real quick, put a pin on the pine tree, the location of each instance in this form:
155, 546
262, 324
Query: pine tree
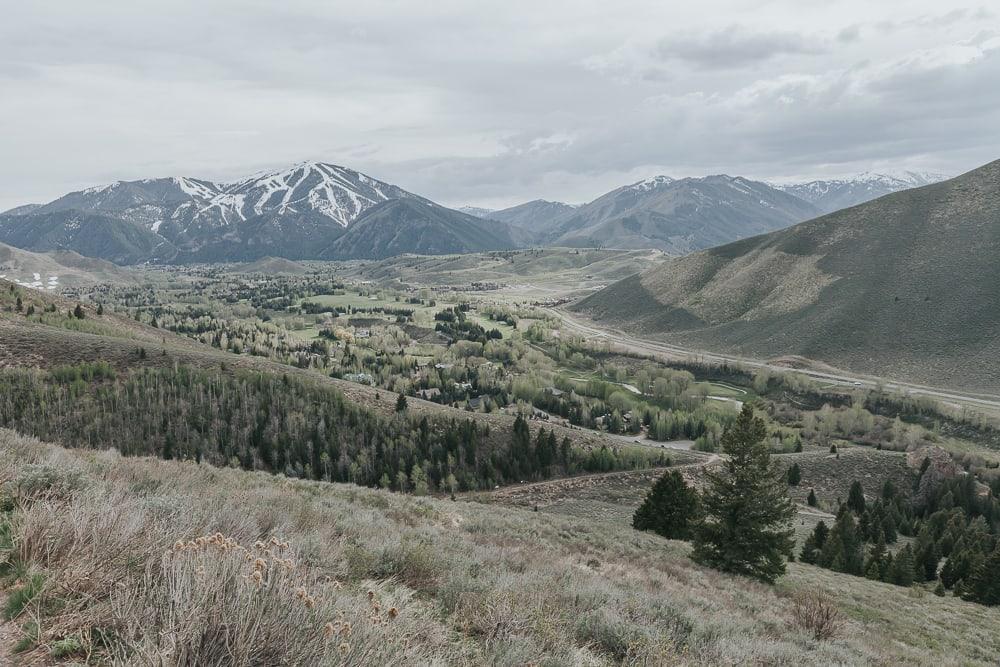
876, 567
889, 529
865, 526
842, 551
902, 567
401, 403
794, 475
983, 585
811, 499
670, 508
78, 312
926, 556
856, 498
747, 507
814, 544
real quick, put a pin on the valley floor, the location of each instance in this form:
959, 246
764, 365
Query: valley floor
198, 564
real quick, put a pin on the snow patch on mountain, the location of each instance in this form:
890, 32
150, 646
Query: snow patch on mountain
651, 183
836, 193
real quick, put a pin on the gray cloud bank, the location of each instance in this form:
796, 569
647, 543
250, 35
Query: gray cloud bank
493, 103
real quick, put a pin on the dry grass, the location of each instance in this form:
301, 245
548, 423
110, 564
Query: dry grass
144, 561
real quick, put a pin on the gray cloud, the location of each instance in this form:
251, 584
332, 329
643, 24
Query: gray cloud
492, 103
735, 46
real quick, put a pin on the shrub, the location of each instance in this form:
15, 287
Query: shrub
606, 632
36, 481
816, 613
19, 600
66, 647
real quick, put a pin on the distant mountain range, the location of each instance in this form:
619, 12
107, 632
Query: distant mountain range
315, 210
904, 286
833, 195
678, 216
310, 210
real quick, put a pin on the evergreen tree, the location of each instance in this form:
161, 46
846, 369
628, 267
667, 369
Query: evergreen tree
794, 475
747, 507
902, 567
856, 498
842, 551
877, 564
78, 312
983, 585
865, 526
814, 544
811, 499
926, 556
889, 529
670, 508
401, 403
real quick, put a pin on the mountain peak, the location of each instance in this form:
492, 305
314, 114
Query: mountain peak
836, 193
651, 183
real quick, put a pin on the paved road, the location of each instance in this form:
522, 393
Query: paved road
674, 352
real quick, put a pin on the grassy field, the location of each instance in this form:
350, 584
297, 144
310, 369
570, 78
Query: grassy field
541, 273
186, 571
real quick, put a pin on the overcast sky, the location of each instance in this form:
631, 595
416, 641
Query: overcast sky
493, 102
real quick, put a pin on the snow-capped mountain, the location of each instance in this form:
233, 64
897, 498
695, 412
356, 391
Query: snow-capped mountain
650, 183
679, 215
295, 212
337, 193
835, 194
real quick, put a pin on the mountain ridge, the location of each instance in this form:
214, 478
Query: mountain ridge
680, 215
901, 286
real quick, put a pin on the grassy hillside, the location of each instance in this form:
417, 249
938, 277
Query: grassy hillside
58, 269
201, 565
904, 286
679, 216
90, 234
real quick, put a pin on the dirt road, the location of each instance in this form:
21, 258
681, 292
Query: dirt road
665, 351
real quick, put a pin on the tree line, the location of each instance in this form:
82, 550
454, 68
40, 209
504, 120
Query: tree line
281, 424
